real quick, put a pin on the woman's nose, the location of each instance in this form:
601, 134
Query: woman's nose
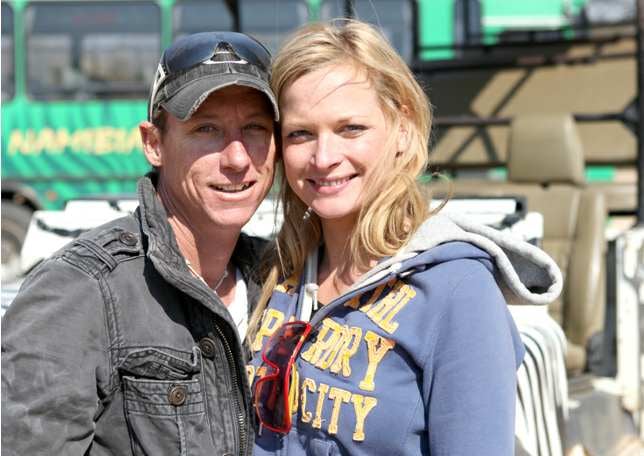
326, 154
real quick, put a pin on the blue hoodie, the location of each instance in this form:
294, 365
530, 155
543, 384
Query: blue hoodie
419, 356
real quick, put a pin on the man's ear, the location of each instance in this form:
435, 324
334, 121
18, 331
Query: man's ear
151, 139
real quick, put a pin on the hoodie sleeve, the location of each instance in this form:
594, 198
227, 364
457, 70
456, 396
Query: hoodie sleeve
470, 374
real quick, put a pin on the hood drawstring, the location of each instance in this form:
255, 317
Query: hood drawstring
308, 300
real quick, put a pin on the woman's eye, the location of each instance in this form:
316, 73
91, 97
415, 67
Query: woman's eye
255, 128
354, 128
298, 135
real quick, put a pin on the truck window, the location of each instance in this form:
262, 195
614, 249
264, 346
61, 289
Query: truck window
78, 50
8, 84
193, 16
393, 17
272, 21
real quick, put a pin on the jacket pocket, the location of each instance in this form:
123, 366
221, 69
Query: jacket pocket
153, 363
164, 404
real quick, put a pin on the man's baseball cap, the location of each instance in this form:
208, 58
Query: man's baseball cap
196, 65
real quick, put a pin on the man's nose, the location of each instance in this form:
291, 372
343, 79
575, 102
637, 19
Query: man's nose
235, 156
326, 154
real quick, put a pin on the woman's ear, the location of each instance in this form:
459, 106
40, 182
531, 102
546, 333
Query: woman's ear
403, 130
151, 140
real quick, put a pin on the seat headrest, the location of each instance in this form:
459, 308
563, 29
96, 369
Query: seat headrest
545, 148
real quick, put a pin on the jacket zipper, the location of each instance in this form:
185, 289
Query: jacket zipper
241, 418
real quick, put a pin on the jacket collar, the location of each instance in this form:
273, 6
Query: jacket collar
162, 245
161, 241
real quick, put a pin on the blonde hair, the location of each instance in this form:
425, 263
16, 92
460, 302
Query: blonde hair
387, 219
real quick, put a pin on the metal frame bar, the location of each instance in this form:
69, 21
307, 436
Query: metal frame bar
640, 130
470, 121
488, 47
510, 61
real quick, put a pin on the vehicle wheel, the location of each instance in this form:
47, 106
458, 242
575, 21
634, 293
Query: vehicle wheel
15, 221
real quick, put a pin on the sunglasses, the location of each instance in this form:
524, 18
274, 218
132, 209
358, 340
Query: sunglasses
272, 390
193, 50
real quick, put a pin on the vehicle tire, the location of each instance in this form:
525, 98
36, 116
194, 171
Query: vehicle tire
15, 221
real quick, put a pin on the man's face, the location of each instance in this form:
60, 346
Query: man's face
216, 167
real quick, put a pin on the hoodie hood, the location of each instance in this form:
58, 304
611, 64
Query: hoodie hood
525, 274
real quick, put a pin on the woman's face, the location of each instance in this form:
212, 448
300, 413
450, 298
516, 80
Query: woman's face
334, 135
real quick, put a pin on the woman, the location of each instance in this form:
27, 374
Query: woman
410, 348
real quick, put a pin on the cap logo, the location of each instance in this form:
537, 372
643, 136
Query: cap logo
222, 53
211, 62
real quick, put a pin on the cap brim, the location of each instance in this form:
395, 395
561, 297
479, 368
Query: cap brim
187, 100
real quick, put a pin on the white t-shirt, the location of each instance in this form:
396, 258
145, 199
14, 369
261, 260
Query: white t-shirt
238, 309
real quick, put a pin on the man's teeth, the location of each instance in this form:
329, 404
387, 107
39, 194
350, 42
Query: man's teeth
232, 188
333, 183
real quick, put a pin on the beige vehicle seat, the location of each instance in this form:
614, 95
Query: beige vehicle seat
546, 166
546, 157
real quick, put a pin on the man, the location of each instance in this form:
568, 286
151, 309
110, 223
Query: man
121, 343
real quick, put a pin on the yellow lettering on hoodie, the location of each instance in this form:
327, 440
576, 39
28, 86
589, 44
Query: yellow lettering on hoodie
348, 347
253, 372
377, 348
329, 356
384, 311
362, 406
355, 301
287, 286
271, 321
327, 338
294, 390
322, 390
308, 384
338, 396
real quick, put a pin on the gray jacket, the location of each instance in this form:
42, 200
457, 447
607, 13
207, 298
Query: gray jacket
112, 346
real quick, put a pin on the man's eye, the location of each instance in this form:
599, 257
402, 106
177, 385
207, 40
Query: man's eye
255, 128
206, 128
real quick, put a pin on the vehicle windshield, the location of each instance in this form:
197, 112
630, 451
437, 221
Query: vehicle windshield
8, 84
98, 50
